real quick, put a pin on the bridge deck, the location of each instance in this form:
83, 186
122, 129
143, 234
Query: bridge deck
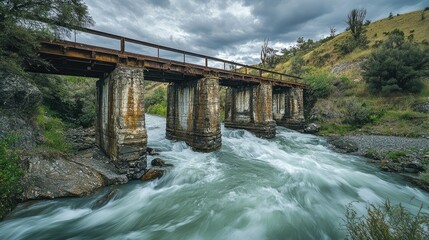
73, 58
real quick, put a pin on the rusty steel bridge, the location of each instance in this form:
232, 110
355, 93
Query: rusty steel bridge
74, 58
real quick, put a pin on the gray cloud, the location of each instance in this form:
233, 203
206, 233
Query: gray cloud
233, 29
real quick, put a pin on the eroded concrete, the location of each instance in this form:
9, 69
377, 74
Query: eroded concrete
193, 113
288, 107
120, 128
250, 107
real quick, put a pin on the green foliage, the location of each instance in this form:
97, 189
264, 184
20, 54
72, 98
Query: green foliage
21, 28
156, 102
333, 128
386, 222
395, 155
397, 66
351, 43
356, 112
301, 48
73, 98
10, 174
297, 65
53, 130
320, 81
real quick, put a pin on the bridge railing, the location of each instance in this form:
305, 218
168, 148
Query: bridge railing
207, 61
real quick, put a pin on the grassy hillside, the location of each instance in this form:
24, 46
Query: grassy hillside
390, 115
328, 54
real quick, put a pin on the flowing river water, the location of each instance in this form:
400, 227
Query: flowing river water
289, 187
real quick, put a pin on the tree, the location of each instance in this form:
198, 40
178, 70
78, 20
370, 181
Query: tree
397, 66
355, 21
268, 54
24, 22
333, 30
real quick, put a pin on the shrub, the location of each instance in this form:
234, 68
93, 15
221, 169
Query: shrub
52, 129
395, 155
320, 81
386, 222
72, 97
297, 63
156, 102
10, 175
356, 112
397, 66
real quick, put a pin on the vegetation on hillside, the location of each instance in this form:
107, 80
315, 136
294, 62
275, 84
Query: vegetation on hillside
10, 174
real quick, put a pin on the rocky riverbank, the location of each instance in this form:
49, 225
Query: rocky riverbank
407, 156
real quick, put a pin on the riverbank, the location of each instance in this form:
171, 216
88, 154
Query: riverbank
406, 156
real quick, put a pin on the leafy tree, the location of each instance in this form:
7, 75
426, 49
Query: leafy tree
397, 66
24, 22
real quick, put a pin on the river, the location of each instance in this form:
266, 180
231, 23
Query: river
289, 187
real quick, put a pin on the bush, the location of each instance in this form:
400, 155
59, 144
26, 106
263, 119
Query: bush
156, 102
52, 129
356, 112
10, 175
320, 81
72, 97
386, 222
350, 44
397, 66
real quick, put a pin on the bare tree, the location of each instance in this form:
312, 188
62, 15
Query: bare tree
268, 54
355, 20
333, 30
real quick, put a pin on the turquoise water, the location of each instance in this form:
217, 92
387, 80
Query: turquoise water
289, 187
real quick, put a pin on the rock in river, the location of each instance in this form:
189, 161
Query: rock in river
153, 174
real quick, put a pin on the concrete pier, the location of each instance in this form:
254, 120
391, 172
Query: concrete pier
288, 107
120, 125
193, 113
250, 107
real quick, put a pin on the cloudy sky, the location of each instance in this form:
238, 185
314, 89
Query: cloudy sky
233, 29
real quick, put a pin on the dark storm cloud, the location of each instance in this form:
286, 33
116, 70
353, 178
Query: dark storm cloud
233, 29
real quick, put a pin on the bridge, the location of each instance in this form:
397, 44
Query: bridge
256, 99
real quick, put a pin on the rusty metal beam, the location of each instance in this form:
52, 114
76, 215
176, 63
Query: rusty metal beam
76, 54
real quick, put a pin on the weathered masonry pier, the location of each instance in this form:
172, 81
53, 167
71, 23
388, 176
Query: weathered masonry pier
193, 113
256, 99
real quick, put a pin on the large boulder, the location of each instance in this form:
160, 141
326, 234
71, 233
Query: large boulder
18, 99
18, 93
343, 144
312, 128
58, 177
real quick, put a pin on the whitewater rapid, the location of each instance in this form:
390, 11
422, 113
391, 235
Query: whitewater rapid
289, 187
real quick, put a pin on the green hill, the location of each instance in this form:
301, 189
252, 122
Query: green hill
396, 114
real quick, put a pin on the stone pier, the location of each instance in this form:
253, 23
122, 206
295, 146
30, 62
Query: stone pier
250, 107
193, 113
120, 125
288, 107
